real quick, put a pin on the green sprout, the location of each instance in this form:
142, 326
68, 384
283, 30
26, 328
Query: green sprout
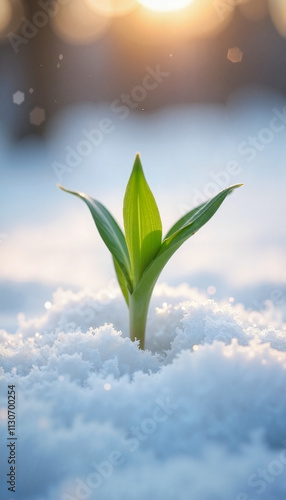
140, 256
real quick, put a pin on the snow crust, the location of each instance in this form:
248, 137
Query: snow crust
199, 415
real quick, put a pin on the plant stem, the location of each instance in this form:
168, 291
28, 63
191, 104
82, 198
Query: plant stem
138, 309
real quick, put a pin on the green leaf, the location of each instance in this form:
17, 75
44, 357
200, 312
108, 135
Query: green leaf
142, 222
110, 232
198, 218
122, 281
175, 240
183, 221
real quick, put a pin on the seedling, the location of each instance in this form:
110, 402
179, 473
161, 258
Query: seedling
141, 254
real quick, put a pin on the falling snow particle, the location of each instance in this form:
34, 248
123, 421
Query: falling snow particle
61, 57
211, 290
48, 305
107, 387
234, 55
18, 97
31, 90
37, 116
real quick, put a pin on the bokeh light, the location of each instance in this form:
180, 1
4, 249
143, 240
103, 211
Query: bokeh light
277, 10
198, 19
5, 15
11, 16
37, 116
76, 23
111, 8
165, 5
234, 55
18, 97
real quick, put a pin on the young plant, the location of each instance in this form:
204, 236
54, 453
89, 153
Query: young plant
141, 254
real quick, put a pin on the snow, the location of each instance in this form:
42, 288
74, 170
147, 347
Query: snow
199, 415
100, 419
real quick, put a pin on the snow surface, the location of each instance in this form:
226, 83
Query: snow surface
199, 415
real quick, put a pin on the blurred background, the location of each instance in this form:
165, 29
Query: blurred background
197, 87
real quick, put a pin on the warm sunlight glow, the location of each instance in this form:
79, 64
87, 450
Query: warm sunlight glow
165, 5
5, 14
175, 20
76, 23
277, 10
111, 8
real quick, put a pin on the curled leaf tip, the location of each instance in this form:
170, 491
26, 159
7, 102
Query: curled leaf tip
63, 188
232, 188
235, 186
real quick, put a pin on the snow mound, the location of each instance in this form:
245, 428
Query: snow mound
199, 415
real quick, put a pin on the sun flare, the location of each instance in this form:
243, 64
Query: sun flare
165, 5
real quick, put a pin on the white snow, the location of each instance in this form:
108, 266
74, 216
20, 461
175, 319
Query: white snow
99, 419
200, 415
